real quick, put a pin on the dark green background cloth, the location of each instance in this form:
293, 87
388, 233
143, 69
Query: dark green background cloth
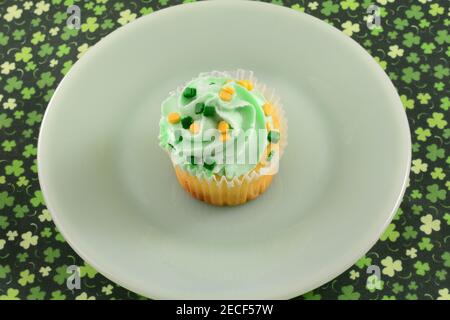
37, 50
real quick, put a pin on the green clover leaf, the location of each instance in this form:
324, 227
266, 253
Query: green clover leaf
434, 152
90, 25
26, 278
391, 266
5, 200
24, 55
410, 75
425, 244
435, 193
38, 199
15, 168
28, 240
421, 268
11, 294
409, 233
348, 293
36, 294
328, 7
390, 233
51, 254
4, 271
429, 224
414, 12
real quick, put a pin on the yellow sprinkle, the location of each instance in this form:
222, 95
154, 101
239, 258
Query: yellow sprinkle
223, 127
226, 93
230, 90
224, 137
225, 96
246, 84
194, 127
267, 107
276, 123
173, 117
268, 126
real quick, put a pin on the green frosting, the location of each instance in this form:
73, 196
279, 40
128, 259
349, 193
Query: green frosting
204, 154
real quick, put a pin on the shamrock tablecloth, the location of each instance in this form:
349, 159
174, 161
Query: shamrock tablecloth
412, 45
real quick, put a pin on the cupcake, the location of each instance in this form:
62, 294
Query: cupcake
225, 133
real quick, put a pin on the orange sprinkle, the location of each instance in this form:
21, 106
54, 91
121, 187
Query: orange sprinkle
247, 84
276, 122
194, 127
230, 90
268, 108
268, 126
224, 137
173, 117
223, 127
226, 93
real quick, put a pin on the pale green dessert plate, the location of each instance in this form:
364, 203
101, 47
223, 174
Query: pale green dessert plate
113, 193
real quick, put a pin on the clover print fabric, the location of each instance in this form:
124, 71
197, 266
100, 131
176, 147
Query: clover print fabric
413, 47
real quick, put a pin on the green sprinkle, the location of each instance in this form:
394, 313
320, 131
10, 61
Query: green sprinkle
273, 136
270, 155
178, 136
209, 166
209, 111
192, 160
186, 122
189, 93
199, 107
